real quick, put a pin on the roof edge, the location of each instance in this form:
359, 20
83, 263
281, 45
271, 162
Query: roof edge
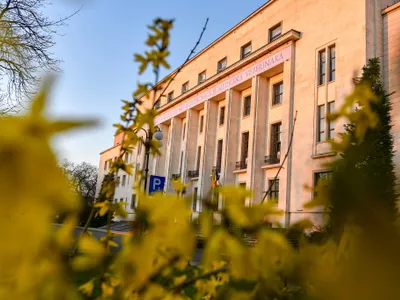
269, 2
391, 8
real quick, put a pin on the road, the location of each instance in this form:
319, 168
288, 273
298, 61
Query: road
99, 233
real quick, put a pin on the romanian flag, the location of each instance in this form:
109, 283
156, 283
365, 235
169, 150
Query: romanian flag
215, 178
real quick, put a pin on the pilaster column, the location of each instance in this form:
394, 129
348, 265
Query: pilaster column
211, 114
260, 134
232, 135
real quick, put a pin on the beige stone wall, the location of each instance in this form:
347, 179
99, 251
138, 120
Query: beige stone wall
356, 29
391, 69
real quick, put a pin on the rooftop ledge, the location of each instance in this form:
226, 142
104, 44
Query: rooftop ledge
291, 35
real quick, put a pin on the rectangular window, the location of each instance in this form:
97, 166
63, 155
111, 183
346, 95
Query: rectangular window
276, 137
246, 106
332, 63
121, 199
133, 202
198, 158
126, 157
123, 182
245, 147
325, 177
184, 131
194, 201
321, 67
105, 165
170, 96
242, 185
137, 166
275, 32
245, 50
321, 123
219, 154
202, 77
118, 181
278, 93
157, 104
273, 186
185, 87
222, 115
139, 149
221, 65
181, 164
331, 124
201, 124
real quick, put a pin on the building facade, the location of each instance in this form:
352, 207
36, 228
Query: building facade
233, 106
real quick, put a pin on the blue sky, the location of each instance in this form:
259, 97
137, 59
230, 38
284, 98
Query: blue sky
97, 49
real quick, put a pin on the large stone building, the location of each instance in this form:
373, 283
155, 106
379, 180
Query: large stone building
232, 106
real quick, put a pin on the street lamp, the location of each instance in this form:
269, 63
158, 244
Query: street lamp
158, 135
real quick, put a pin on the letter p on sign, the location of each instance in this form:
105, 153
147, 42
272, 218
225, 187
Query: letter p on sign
157, 183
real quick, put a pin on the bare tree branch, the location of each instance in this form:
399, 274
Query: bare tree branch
26, 37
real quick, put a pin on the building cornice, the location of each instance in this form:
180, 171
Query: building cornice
115, 146
291, 35
391, 8
245, 20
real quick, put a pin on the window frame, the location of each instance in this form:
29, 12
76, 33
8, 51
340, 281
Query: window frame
133, 201
157, 104
243, 54
170, 96
242, 152
321, 118
184, 132
222, 116
123, 181
245, 113
315, 181
184, 89
220, 149
330, 124
274, 88
272, 37
273, 190
201, 124
225, 59
275, 145
332, 63
322, 67
199, 81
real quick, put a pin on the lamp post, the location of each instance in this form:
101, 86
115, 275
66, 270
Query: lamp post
158, 135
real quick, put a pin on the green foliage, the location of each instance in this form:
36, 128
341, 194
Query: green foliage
363, 187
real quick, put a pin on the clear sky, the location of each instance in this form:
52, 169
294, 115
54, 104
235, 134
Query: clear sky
97, 52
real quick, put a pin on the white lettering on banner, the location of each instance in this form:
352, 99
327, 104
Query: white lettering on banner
258, 68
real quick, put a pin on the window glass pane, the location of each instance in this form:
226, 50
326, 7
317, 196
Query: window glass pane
275, 32
247, 106
331, 124
170, 96
321, 123
322, 67
221, 65
278, 93
332, 63
222, 115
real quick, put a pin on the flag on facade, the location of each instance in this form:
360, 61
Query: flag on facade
215, 178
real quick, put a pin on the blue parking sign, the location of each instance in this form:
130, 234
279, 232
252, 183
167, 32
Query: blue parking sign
157, 183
